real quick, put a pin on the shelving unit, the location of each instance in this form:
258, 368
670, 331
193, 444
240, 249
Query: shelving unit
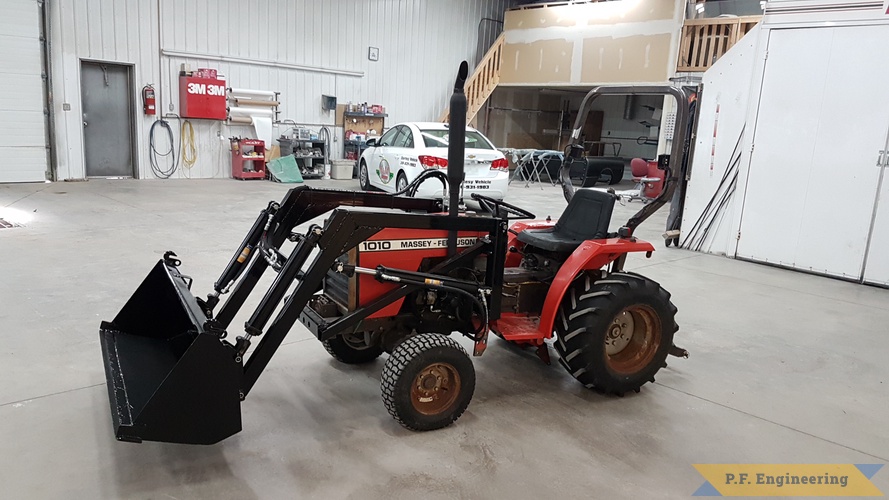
248, 160
311, 166
359, 123
352, 149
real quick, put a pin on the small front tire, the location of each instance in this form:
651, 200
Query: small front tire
427, 382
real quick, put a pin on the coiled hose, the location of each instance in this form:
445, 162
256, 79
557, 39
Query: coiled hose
167, 171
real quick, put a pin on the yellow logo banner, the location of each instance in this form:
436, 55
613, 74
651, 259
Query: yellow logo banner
814, 480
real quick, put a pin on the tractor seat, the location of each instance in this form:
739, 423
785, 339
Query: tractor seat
585, 218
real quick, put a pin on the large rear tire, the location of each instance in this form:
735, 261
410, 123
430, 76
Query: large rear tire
351, 350
614, 334
427, 382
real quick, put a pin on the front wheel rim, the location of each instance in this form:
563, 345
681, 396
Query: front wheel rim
362, 174
435, 389
356, 342
632, 339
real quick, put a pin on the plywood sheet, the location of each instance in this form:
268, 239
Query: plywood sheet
544, 61
630, 59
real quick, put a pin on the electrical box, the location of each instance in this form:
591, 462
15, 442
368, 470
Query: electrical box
202, 98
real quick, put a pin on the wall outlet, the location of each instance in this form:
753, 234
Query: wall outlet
66, 106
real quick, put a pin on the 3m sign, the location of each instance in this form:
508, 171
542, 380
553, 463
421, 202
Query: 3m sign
202, 98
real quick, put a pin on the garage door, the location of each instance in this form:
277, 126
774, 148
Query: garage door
823, 118
23, 155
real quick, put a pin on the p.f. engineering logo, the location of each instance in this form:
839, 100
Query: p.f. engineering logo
788, 480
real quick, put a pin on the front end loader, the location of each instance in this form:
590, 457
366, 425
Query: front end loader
396, 274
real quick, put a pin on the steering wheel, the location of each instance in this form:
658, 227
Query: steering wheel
496, 206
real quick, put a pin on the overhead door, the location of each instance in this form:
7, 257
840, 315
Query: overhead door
23, 155
823, 116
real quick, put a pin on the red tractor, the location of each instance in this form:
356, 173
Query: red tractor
397, 278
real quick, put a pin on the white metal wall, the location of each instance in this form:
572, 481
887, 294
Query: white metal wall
22, 122
719, 148
421, 43
816, 118
812, 176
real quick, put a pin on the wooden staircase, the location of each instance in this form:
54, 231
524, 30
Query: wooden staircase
704, 41
482, 83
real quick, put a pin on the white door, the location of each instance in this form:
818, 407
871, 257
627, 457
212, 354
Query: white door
823, 115
876, 267
380, 169
395, 153
22, 123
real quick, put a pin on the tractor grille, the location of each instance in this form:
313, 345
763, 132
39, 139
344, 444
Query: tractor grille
336, 287
340, 288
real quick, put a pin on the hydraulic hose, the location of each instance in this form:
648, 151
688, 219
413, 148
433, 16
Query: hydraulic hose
412, 188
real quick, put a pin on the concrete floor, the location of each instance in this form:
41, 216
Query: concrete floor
784, 368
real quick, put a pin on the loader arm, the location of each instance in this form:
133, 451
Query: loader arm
300, 205
343, 231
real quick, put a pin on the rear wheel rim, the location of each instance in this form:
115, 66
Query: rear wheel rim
632, 339
435, 389
401, 183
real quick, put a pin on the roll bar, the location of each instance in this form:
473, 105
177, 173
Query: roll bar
575, 149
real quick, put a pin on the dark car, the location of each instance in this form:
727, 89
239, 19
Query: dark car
589, 170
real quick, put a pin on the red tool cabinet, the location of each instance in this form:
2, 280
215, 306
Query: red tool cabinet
248, 159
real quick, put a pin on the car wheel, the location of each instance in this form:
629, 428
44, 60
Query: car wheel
613, 178
363, 178
400, 182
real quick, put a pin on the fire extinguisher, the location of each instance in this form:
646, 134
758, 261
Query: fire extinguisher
148, 100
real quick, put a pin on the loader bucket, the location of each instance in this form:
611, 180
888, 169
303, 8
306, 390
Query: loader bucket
168, 379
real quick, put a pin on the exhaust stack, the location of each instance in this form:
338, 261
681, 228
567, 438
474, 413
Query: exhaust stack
456, 149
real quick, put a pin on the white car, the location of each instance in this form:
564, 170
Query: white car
394, 160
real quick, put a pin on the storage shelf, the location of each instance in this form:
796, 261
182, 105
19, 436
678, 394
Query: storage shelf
364, 115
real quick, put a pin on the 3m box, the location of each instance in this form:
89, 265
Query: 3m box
202, 98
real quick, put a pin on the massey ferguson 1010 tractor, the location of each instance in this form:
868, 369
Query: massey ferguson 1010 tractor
397, 274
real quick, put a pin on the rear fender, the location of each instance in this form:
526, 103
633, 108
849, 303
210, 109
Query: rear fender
591, 254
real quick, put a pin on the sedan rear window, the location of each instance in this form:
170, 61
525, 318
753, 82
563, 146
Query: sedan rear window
439, 139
